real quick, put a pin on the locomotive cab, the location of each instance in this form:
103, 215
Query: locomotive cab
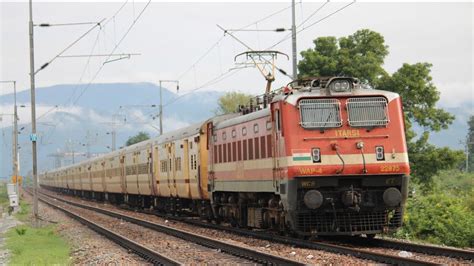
345, 155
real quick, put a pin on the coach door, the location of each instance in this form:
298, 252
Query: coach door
123, 184
172, 169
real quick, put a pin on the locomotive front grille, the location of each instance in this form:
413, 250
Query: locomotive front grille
348, 222
367, 112
320, 113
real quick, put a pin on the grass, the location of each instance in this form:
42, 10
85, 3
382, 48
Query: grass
33, 246
36, 246
24, 213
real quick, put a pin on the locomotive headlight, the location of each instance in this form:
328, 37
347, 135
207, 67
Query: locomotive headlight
313, 199
392, 197
316, 154
379, 153
340, 86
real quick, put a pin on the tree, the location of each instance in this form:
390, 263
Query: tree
470, 143
229, 102
362, 55
141, 136
359, 55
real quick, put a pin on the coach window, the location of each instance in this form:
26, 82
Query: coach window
269, 145
224, 136
245, 149
215, 154
255, 128
239, 150
244, 131
214, 137
234, 151
263, 147
250, 149
257, 148
234, 133
220, 153
225, 152
269, 125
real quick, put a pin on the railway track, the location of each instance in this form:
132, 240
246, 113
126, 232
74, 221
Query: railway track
237, 251
142, 251
425, 249
333, 248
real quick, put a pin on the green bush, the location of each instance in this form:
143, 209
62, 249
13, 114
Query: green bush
440, 219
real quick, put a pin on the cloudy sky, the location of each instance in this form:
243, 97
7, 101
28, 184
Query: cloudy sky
171, 37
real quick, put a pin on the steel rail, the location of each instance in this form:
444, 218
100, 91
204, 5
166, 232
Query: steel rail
420, 248
140, 250
333, 248
246, 253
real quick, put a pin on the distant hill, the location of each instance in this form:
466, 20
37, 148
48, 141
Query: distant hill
72, 127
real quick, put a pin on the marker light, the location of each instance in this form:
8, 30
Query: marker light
379, 153
316, 152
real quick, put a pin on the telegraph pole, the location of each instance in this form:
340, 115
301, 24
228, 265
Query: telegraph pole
161, 101
33, 137
293, 40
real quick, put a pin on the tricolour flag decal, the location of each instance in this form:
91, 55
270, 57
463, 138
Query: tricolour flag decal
301, 155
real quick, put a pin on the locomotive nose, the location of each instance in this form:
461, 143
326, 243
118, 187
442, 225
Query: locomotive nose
392, 197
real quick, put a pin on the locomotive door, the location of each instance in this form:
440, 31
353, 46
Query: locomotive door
276, 145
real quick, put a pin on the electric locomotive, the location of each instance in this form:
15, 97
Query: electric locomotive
322, 156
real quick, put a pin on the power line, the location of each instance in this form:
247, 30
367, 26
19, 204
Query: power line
68, 47
216, 44
113, 50
314, 23
70, 99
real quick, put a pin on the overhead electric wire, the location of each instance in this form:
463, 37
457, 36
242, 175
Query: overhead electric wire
216, 44
113, 50
312, 24
69, 46
70, 99
266, 17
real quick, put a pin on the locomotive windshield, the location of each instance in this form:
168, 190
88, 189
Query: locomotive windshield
367, 112
320, 113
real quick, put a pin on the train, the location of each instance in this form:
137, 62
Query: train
320, 156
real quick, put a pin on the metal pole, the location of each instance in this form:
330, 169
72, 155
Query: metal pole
113, 139
161, 110
15, 139
33, 116
293, 40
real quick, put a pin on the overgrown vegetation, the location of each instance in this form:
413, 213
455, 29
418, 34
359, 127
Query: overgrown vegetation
36, 246
24, 213
441, 208
445, 213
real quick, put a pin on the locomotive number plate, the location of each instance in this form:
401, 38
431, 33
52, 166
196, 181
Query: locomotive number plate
389, 168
